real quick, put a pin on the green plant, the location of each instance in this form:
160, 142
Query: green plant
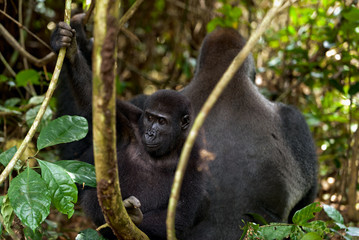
302, 228
30, 194
230, 17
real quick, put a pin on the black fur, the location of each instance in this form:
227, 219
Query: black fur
145, 172
265, 161
265, 157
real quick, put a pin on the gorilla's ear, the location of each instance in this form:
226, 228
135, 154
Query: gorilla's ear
185, 122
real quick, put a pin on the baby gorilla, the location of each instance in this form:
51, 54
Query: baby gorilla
149, 146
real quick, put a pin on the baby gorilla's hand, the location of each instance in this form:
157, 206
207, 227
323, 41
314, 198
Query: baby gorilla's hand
132, 205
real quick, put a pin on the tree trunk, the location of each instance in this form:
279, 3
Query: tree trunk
104, 120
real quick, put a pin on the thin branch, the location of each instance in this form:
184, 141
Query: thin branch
223, 82
89, 12
20, 25
22, 37
44, 104
12, 41
7, 65
129, 13
104, 121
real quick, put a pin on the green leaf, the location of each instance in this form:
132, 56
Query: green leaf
62, 130
30, 198
3, 109
27, 76
317, 226
33, 235
302, 216
31, 115
352, 15
12, 102
6, 156
275, 231
36, 100
353, 231
333, 214
7, 212
62, 189
80, 172
89, 234
3, 78
311, 236
258, 218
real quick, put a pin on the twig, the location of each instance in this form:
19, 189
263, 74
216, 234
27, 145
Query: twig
12, 41
223, 82
44, 104
26, 29
89, 12
129, 13
22, 37
7, 65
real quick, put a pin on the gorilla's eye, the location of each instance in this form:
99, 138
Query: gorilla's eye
149, 117
162, 121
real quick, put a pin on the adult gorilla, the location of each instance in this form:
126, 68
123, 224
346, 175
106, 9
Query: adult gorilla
265, 161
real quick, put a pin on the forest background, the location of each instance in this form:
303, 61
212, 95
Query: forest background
309, 58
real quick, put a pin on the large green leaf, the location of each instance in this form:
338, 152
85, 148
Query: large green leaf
62, 130
30, 198
302, 216
62, 189
81, 172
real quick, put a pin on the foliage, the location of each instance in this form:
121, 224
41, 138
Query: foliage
89, 234
309, 58
30, 195
302, 227
230, 17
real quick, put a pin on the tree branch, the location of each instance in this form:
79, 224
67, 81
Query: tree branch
129, 13
44, 104
278, 6
106, 29
12, 41
20, 25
